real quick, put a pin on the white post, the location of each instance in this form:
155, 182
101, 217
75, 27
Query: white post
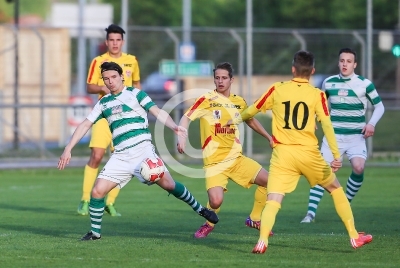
81, 79
187, 20
249, 58
369, 66
124, 23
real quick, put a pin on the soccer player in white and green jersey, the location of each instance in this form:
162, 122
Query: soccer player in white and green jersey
348, 95
125, 109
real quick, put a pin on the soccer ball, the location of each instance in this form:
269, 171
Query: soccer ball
152, 169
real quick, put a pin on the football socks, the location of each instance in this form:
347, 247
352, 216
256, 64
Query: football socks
112, 195
182, 193
268, 219
89, 176
343, 209
260, 197
96, 211
215, 210
314, 198
353, 185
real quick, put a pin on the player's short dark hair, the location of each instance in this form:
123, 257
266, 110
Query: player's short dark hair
113, 28
349, 50
303, 62
111, 66
224, 66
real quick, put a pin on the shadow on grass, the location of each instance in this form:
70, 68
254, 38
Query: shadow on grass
20, 208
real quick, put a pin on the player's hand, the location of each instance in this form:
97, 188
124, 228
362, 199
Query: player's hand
181, 146
368, 131
229, 123
181, 132
64, 160
272, 144
336, 164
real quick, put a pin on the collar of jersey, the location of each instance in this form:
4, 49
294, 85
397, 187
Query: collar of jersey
116, 95
108, 55
219, 94
346, 78
300, 80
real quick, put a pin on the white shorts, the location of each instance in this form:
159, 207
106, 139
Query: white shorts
122, 166
352, 145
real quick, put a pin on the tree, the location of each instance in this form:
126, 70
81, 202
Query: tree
334, 14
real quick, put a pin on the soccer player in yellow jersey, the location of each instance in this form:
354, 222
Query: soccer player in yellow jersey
222, 150
294, 105
101, 135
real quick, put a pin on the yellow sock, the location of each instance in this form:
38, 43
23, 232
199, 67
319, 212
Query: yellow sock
343, 209
215, 210
112, 195
260, 197
89, 176
268, 219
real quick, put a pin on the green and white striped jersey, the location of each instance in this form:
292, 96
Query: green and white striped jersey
348, 99
126, 114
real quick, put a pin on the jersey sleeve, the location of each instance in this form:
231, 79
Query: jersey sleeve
372, 94
94, 74
322, 112
266, 101
136, 70
144, 100
198, 109
96, 113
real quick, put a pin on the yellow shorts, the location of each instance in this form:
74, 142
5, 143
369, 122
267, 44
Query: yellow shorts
242, 170
101, 135
289, 162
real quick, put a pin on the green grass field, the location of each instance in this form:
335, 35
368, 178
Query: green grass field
39, 226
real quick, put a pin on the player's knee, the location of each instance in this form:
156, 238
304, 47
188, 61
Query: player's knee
215, 201
98, 193
358, 168
333, 186
262, 178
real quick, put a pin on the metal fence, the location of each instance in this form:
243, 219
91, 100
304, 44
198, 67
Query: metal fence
44, 125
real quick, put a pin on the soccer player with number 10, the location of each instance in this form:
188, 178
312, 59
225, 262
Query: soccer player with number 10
294, 105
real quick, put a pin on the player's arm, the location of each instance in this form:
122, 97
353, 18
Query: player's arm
184, 122
96, 89
164, 118
197, 110
136, 84
322, 112
79, 132
263, 104
136, 75
257, 127
247, 114
379, 109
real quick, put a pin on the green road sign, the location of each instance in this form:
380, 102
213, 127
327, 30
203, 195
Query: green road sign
193, 68
396, 51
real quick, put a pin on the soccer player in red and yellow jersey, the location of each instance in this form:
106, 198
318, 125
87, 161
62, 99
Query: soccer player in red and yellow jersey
222, 150
101, 135
294, 105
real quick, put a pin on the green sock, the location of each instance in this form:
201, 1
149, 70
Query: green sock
96, 211
353, 185
182, 193
316, 193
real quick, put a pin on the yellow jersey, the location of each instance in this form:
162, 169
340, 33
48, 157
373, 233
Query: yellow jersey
128, 63
295, 104
219, 143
